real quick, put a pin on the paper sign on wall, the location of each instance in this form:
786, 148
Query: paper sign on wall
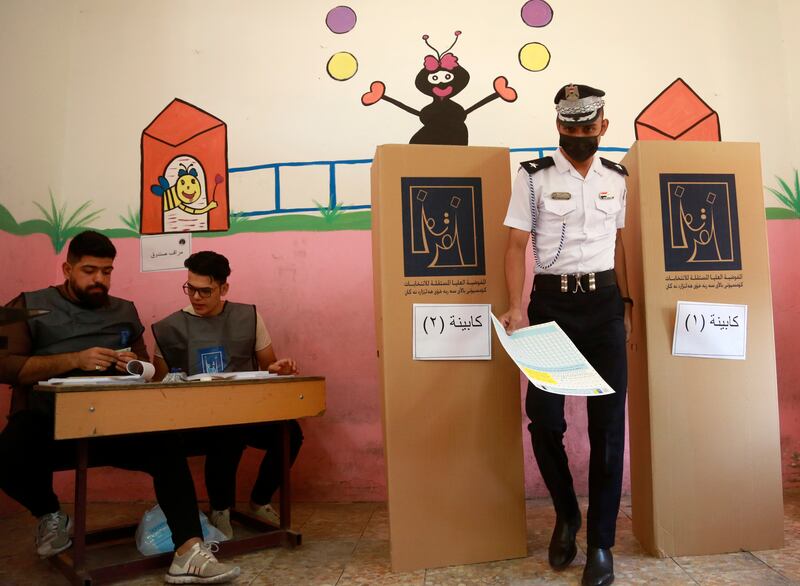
452, 332
165, 252
710, 330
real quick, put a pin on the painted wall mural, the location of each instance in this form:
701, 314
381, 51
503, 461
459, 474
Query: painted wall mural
168, 205
789, 196
677, 113
441, 78
342, 65
184, 171
535, 56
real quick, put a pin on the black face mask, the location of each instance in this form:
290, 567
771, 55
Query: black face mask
579, 148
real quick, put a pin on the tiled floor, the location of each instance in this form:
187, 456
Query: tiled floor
347, 544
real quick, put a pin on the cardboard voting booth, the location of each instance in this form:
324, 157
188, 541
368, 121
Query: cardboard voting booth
705, 445
452, 416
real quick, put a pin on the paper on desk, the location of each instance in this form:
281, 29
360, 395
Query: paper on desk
546, 355
245, 375
139, 371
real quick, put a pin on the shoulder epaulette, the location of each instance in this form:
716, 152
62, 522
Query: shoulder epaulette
535, 165
619, 168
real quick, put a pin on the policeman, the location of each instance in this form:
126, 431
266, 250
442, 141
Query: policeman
572, 205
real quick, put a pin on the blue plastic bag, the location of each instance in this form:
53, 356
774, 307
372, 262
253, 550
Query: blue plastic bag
153, 535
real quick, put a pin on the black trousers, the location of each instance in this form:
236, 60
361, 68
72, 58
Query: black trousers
29, 455
224, 447
594, 322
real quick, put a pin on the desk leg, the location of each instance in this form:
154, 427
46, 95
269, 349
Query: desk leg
72, 562
286, 457
79, 521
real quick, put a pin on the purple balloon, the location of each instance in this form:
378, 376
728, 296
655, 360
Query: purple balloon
341, 19
537, 13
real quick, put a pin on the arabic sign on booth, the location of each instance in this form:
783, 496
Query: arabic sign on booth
710, 330
452, 332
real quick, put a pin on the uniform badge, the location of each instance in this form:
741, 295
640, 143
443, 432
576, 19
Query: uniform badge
561, 195
606, 195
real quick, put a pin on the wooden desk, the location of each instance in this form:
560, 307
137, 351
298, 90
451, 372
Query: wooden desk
85, 412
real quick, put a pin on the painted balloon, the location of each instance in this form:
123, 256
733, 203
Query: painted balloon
342, 66
341, 19
534, 57
536, 13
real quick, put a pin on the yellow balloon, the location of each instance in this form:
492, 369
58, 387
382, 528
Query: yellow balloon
342, 66
534, 57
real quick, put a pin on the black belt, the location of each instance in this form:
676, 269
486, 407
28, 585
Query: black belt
575, 283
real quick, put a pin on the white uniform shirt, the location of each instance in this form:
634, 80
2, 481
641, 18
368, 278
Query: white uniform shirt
592, 214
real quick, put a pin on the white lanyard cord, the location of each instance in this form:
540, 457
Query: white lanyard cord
534, 209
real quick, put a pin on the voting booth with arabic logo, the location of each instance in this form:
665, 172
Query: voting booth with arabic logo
703, 403
450, 394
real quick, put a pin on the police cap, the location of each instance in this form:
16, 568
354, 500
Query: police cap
578, 105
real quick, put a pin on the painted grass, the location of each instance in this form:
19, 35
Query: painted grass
781, 214
788, 195
357, 220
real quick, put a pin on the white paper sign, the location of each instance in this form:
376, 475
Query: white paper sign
165, 252
710, 330
452, 332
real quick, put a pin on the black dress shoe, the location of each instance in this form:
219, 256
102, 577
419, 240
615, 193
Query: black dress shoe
562, 548
599, 570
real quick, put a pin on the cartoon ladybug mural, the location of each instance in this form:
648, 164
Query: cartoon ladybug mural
441, 78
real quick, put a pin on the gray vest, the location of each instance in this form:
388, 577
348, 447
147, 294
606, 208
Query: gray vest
70, 327
222, 343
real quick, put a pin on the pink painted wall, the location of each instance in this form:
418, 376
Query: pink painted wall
315, 292
784, 246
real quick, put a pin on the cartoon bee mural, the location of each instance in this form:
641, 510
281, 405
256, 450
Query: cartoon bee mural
182, 192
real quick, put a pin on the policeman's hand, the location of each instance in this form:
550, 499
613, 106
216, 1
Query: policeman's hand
123, 358
96, 358
283, 366
628, 321
512, 320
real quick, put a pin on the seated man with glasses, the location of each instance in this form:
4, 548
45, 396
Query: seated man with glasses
214, 335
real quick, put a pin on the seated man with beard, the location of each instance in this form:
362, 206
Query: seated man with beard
88, 331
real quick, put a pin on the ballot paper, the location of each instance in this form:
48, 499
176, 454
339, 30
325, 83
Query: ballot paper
546, 355
139, 371
244, 375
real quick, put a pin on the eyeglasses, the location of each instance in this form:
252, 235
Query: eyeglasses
203, 292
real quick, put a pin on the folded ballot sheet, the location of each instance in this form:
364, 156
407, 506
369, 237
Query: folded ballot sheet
546, 355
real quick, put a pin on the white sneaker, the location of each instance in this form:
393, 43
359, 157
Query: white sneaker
222, 521
52, 535
199, 566
265, 513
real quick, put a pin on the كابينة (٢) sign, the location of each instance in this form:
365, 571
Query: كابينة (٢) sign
451, 332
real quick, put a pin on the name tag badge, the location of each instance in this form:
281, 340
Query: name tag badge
606, 195
561, 195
